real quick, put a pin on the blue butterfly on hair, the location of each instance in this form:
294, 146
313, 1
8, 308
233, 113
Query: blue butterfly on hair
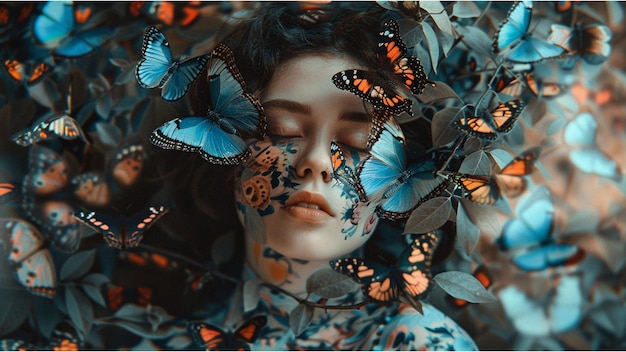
157, 68
529, 235
516, 43
62, 26
385, 176
217, 137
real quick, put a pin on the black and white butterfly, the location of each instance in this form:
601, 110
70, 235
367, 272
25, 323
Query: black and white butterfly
59, 125
217, 137
122, 231
158, 69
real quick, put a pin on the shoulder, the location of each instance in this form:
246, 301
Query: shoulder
407, 329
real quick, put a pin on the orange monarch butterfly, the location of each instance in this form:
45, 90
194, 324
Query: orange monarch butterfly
409, 277
118, 296
213, 338
487, 125
543, 89
17, 71
486, 189
378, 87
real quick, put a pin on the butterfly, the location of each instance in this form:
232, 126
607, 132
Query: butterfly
122, 232
212, 338
379, 88
340, 170
33, 263
217, 137
590, 42
507, 82
59, 125
541, 88
17, 70
486, 124
580, 134
384, 175
521, 45
56, 27
149, 260
44, 197
157, 68
117, 296
529, 235
554, 313
64, 338
8, 190
409, 277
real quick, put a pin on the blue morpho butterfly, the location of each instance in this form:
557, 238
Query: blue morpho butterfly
409, 276
384, 175
26, 250
158, 69
217, 137
591, 43
530, 234
517, 43
580, 133
56, 28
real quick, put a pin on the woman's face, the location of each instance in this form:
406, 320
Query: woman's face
286, 192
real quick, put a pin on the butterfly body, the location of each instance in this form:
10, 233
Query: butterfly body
212, 338
158, 69
217, 136
409, 276
122, 232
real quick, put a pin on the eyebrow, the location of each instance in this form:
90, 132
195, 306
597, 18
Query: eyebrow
299, 108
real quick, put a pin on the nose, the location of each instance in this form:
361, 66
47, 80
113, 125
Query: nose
314, 160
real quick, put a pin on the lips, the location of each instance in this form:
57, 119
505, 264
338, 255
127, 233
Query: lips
309, 206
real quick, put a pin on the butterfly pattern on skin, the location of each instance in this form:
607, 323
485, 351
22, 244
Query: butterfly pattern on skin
487, 125
59, 125
484, 189
26, 251
378, 87
44, 198
212, 338
217, 137
517, 44
17, 71
529, 235
157, 68
409, 277
56, 27
122, 232
384, 176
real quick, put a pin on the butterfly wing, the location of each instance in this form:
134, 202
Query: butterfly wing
138, 223
207, 336
48, 172
8, 191
505, 114
594, 161
548, 255
581, 131
179, 81
82, 43
514, 27
477, 188
476, 126
341, 171
414, 265
594, 43
156, 59
249, 331
378, 281
128, 162
37, 274
510, 177
108, 226
55, 22
534, 222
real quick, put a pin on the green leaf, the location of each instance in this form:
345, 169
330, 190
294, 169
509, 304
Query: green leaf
476, 163
77, 265
465, 9
93, 287
442, 130
467, 233
299, 318
464, 286
79, 309
329, 284
438, 14
439, 92
429, 216
433, 45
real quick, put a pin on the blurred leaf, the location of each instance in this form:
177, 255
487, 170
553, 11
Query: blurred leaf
103, 106
433, 45
299, 318
472, 145
223, 248
180, 342
14, 306
45, 93
79, 309
442, 130
92, 285
132, 312
464, 286
164, 331
556, 125
77, 265
465, 9
439, 92
429, 216
477, 40
118, 62
438, 14
251, 297
476, 163
484, 217
328, 283
109, 134
467, 233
